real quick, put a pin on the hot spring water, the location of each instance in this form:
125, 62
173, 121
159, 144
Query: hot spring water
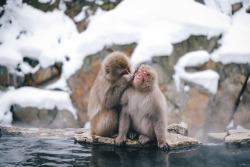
30, 151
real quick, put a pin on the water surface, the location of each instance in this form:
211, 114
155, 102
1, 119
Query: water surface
30, 151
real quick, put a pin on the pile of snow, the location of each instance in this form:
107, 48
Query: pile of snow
33, 97
235, 43
208, 79
224, 6
156, 26
49, 37
28, 32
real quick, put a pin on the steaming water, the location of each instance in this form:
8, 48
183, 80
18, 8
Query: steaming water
20, 151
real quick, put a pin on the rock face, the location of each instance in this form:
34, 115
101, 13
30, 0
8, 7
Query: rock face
42, 118
9, 79
83, 135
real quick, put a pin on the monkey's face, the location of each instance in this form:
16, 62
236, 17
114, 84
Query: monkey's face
145, 78
116, 68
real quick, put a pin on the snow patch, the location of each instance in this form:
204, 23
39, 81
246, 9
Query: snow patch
230, 125
33, 97
208, 79
235, 42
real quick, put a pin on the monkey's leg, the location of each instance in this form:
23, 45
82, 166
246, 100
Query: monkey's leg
160, 132
123, 127
105, 123
143, 139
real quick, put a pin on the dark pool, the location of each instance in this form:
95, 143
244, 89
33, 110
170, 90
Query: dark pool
24, 151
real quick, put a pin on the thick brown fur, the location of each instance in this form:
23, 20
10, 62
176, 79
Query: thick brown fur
104, 102
144, 110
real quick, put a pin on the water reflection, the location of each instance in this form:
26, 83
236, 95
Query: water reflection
20, 151
109, 156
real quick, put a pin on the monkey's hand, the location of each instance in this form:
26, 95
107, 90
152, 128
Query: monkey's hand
129, 78
120, 140
114, 93
163, 145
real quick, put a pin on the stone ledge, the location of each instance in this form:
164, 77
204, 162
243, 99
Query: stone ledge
175, 140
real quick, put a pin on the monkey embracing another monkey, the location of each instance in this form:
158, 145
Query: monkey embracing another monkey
144, 109
104, 102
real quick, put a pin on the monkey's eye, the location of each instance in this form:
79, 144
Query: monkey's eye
107, 71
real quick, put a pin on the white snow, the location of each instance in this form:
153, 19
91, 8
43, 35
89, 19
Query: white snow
87, 125
208, 79
230, 125
33, 97
224, 6
43, 37
239, 127
156, 26
235, 43
81, 16
44, 1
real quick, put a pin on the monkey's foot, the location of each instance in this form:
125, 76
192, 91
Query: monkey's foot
132, 135
143, 139
163, 145
114, 135
120, 140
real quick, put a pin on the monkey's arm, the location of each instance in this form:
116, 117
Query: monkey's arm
160, 124
114, 93
124, 125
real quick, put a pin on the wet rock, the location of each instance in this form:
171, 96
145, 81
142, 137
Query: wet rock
178, 129
30, 116
81, 82
232, 137
40, 132
174, 140
240, 137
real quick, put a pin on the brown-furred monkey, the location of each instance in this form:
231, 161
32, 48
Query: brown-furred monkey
104, 102
144, 109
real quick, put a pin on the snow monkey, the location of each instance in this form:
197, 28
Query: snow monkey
104, 106
144, 109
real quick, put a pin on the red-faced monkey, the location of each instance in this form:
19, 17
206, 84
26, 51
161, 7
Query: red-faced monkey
144, 109
104, 102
